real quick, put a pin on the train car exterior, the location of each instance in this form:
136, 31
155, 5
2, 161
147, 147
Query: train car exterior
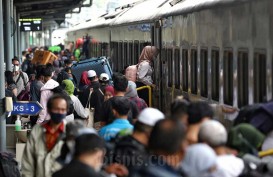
214, 50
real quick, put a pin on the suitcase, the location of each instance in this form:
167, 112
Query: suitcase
100, 65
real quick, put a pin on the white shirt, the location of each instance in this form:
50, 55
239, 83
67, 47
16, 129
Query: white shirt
231, 165
78, 108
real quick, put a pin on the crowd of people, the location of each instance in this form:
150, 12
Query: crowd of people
125, 136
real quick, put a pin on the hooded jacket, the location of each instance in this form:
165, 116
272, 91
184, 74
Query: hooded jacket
46, 93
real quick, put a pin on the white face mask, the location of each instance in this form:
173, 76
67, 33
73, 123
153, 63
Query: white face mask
15, 68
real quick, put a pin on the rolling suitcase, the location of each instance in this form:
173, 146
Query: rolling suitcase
100, 65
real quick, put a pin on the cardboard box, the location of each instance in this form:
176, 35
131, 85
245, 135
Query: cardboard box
43, 57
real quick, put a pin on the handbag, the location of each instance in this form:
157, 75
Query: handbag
91, 111
24, 95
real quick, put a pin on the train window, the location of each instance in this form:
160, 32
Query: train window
215, 73
131, 56
242, 77
204, 72
185, 71
99, 51
104, 49
177, 68
194, 71
120, 56
136, 52
259, 77
228, 77
170, 67
125, 58
114, 58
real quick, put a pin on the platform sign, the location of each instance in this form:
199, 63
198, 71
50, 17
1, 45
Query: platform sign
31, 24
31, 108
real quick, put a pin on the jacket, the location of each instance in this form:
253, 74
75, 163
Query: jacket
77, 169
144, 73
130, 152
37, 161
79, 109
96, 99
35, 90
46, 93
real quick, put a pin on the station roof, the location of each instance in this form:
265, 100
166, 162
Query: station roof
48, 9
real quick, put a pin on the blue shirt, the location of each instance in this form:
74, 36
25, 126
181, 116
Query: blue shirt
110, 131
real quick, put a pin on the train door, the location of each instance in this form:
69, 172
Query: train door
156, 36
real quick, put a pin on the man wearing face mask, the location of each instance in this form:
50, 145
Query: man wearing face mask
20, 78
45, 141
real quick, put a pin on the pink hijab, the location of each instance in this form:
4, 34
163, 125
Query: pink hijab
148, 54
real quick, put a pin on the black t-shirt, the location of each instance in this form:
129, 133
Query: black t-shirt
106, 114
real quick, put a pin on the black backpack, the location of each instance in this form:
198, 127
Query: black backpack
61, 91
8, 166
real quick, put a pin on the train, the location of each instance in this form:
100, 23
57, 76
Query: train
219, 51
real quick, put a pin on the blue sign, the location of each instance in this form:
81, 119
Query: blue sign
26, 108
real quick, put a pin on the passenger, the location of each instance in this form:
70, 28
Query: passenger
214, 134
199, 112
167, 144
145, 70
93, 95
37, 84
132, 95
84, 82
120, 108
11, 86
45, 141
131, 149
20, 78
246, 139
68, 148
179, 111
108, 92
69, 88
120, 86
27, 66
88, 158
201, 161
66, 73
46, 92
104, 81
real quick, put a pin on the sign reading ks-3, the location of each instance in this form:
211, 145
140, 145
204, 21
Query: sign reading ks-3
26, 108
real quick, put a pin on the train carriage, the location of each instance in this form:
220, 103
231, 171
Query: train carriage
219, 51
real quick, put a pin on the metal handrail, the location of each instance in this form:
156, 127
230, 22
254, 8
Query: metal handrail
150, 93
266, 153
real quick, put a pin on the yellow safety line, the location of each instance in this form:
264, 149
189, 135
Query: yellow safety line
150, 93
266, 153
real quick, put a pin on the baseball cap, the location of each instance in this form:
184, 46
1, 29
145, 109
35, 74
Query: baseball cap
149, 116
91, 73
104, 77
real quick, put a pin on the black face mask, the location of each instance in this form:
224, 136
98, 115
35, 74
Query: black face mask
57, 118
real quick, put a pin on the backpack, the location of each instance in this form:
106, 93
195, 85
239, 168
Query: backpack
61, 91
131, 73
8, 166
25, 94
258, 115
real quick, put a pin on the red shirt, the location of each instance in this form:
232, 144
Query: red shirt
52, 136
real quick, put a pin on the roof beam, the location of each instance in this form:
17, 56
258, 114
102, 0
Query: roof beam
28, 3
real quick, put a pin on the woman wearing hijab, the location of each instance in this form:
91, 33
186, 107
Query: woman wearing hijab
84, 82
201, 161
132, 95
145, 70
69, 88
108, 92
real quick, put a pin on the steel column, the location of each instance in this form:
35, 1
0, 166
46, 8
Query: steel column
7, 36
2, 86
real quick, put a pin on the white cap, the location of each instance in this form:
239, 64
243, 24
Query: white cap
213, 133
149, 116
104, 77
91, 73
